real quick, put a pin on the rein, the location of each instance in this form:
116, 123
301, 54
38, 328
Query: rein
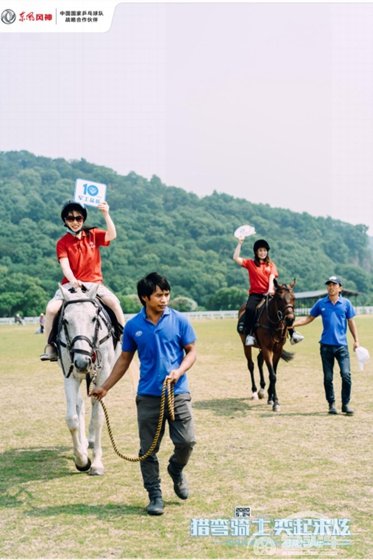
280, 314
167, 385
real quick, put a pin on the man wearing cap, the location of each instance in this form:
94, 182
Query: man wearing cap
336, 313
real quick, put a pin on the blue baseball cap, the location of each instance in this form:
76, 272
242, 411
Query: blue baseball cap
333, 280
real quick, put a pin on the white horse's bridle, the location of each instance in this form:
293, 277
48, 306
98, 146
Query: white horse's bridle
94, 343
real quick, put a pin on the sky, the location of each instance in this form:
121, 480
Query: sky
271, 102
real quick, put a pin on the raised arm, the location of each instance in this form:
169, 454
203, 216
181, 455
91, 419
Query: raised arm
111, 231
236, 255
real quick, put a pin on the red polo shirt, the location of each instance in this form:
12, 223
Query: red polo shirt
83, 254
259, 275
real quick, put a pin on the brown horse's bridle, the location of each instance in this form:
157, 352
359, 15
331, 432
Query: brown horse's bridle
281, 314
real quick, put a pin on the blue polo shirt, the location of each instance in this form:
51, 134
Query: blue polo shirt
160, 348
334, 319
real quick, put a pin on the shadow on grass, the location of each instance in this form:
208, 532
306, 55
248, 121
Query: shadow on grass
224, 407
291, 414
100, 511
19, 466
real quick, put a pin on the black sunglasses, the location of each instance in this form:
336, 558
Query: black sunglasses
74, 218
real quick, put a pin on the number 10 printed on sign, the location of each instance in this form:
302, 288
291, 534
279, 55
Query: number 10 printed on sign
89, 193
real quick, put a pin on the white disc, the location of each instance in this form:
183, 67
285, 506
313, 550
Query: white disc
244, 231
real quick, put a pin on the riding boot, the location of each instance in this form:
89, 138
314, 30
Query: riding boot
118, 331
241, 324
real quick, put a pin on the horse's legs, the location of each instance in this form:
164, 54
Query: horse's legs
276, 402
272, 395
75, 423
95, 426
260, 361
98, 420
250, 367
91, 433
80, 409
272, 386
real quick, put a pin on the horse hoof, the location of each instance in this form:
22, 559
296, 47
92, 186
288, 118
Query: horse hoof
254, 396
95, 471
85, 468
276, 408
270, 402
261, 394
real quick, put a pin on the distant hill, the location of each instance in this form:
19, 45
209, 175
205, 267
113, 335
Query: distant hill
187, 238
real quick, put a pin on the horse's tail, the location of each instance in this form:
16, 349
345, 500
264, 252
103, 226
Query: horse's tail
287, 356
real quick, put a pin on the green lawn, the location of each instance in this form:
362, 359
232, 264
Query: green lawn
297, 464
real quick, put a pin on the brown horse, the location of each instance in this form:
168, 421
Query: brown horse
274, 316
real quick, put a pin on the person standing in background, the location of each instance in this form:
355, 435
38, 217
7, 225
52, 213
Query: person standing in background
337, 313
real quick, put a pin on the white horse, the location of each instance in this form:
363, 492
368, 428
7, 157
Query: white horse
85, 346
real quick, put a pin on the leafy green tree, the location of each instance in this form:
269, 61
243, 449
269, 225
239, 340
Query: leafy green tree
186, 237
130, 303
355, 277
228, 298
33, 301
183, 303
9, 301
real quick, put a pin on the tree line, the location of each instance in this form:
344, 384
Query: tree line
163, 228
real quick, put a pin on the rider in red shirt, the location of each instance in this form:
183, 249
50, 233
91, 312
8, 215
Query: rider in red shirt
83, 254
78, 253
262, 271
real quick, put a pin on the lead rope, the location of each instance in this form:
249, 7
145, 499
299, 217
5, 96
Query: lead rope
167, 385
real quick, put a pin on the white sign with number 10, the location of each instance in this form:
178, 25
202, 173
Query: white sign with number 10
89, 193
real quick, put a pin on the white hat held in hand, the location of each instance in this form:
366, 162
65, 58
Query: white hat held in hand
362, 355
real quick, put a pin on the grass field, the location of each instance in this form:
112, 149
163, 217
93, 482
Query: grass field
295, 464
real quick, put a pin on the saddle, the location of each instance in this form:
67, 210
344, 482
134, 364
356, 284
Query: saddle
257, 314
117, 327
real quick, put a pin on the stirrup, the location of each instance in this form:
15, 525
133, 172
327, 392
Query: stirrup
49, 354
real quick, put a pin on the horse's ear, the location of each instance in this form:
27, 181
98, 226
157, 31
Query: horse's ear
293, 283
275, 283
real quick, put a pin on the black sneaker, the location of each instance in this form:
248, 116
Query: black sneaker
155, 506
180, 484
332, 409
347, 410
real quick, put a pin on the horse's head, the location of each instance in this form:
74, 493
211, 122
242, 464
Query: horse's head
80, 324
285, 299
